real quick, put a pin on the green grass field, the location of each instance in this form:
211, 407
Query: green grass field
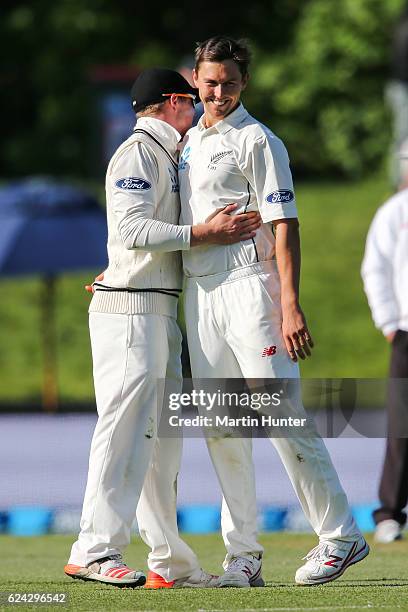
334, 222
378, 583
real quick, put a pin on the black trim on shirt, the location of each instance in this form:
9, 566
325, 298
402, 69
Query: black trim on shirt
172, 292
139, 130
246, 206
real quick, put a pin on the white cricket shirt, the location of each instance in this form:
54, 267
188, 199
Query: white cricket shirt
385, 265
143, 208
238, 160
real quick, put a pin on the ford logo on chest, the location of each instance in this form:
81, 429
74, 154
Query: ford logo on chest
280, 197
132, 183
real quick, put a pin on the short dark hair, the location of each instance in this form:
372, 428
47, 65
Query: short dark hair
221, 48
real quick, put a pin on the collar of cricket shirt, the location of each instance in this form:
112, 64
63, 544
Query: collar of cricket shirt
163, 131
232, 120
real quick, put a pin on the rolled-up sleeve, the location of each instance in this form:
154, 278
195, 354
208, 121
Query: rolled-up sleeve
265, 164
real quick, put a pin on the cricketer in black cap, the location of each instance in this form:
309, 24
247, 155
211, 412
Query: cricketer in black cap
154, 85
143, 278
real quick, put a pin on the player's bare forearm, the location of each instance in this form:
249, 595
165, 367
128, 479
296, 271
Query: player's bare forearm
288, 259
295, 332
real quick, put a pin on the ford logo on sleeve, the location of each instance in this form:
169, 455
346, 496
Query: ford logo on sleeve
280, 197
131, 183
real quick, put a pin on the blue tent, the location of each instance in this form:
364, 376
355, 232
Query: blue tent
47, 228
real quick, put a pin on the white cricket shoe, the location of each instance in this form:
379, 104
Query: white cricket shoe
387, 531
243, 571
199, 579
110, 570
329, 560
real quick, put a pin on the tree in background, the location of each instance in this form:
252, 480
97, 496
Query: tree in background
326, 89
318, 76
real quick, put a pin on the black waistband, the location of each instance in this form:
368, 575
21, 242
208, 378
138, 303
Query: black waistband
172, 292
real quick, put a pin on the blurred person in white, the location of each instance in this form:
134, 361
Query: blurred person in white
385, 276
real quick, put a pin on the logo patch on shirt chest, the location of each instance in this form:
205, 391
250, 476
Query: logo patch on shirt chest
216, 158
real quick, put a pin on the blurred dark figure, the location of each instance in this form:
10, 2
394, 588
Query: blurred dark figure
397, 93
385, 275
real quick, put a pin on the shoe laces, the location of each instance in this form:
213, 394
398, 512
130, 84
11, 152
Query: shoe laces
319, 553
238, 564
114, 561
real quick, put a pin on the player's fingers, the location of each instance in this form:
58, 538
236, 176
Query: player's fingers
295, 341
253, 215
229, 208
301, 354
307, 350
307, 337
89, 288
297, 346
290, 348
214, 214
254, 222
237, 229
304, 345
252, 227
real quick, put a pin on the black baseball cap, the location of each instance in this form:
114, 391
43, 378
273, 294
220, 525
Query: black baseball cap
153, 85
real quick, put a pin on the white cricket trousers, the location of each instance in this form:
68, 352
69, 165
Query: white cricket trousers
231, 318
130, 353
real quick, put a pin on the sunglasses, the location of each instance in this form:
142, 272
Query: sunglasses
185, 95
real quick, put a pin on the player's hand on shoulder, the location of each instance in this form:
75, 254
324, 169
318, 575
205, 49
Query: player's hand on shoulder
297, 338
227, 228
90, 288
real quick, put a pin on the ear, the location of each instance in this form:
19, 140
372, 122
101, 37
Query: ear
195, 77
173, 100
245, 80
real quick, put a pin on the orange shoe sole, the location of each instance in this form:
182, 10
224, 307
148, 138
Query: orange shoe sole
72, 570
155, 581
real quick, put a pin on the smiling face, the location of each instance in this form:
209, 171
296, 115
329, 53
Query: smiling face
220, 85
